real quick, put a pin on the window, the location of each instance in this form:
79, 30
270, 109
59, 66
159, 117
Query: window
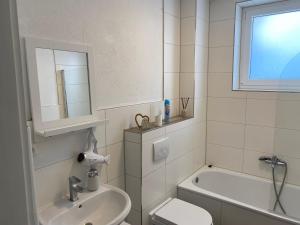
267, 47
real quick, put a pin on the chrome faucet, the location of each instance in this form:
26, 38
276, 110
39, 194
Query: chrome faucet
74, 188
273, 161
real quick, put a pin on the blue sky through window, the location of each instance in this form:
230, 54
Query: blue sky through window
275, 47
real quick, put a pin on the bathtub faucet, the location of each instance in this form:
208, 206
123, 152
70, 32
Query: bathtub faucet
273, 161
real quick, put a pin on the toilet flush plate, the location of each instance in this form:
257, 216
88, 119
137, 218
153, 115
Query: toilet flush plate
161, 149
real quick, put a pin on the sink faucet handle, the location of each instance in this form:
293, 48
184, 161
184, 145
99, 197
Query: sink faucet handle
264, 158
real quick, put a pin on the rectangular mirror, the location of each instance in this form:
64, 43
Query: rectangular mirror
63, 84
60, 79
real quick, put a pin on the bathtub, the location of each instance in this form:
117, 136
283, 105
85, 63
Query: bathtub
238, 199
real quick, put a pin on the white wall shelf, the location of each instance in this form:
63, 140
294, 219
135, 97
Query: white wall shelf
69, 128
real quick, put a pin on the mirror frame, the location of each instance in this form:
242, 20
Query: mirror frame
50, 128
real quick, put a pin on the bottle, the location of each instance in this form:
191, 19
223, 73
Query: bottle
92, 183
167, 110
158, 119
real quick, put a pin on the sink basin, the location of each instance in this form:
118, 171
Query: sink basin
107, 206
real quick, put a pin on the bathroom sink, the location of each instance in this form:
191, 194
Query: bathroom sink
107, 206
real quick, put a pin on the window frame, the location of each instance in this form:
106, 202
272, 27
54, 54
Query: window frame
245, 12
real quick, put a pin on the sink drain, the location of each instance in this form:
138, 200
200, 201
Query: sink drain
88, 224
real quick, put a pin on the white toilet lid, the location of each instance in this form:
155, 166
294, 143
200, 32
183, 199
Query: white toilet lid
182, 213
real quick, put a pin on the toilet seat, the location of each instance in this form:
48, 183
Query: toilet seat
178, 212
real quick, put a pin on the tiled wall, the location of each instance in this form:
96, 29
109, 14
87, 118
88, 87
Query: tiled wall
149, 183
241, 126
55, 158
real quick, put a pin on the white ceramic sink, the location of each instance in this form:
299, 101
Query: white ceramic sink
107, 206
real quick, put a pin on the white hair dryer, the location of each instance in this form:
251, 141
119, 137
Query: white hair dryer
91, 157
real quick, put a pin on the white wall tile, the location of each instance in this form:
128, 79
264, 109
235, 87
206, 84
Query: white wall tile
46, 179
187, 84
199, 157
133, 155
181, 142
171, 58
221, 33
188, 30
221, 10
293, 176
200, 85
100, 135
287, 114
220, 59
285, 96
202, 28
261, 112
171, 29
187, 58
287, 142
226, 109
225, 157
228, 134
133, 189
200, 109
188, 8
171, 87
259, 138
154, 187
201, 59
118, 182
172, 7
203, 9
220, 85
116, 166
262, 95
178, 170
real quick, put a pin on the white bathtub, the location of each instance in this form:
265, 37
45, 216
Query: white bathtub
239, 199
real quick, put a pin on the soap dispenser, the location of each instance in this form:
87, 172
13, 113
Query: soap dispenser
92, 181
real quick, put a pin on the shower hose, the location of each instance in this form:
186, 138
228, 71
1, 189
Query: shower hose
278, 194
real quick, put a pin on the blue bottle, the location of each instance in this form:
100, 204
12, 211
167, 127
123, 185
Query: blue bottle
167, 110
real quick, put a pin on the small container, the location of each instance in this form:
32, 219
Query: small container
92, 183
167, 110
158, 120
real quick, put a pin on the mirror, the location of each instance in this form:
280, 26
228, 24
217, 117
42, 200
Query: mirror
180, 68
61, 86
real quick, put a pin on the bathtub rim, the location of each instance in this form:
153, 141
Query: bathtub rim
188, 185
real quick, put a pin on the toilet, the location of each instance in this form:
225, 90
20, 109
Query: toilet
175, 211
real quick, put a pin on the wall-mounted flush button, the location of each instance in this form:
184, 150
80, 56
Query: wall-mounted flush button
161, 149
